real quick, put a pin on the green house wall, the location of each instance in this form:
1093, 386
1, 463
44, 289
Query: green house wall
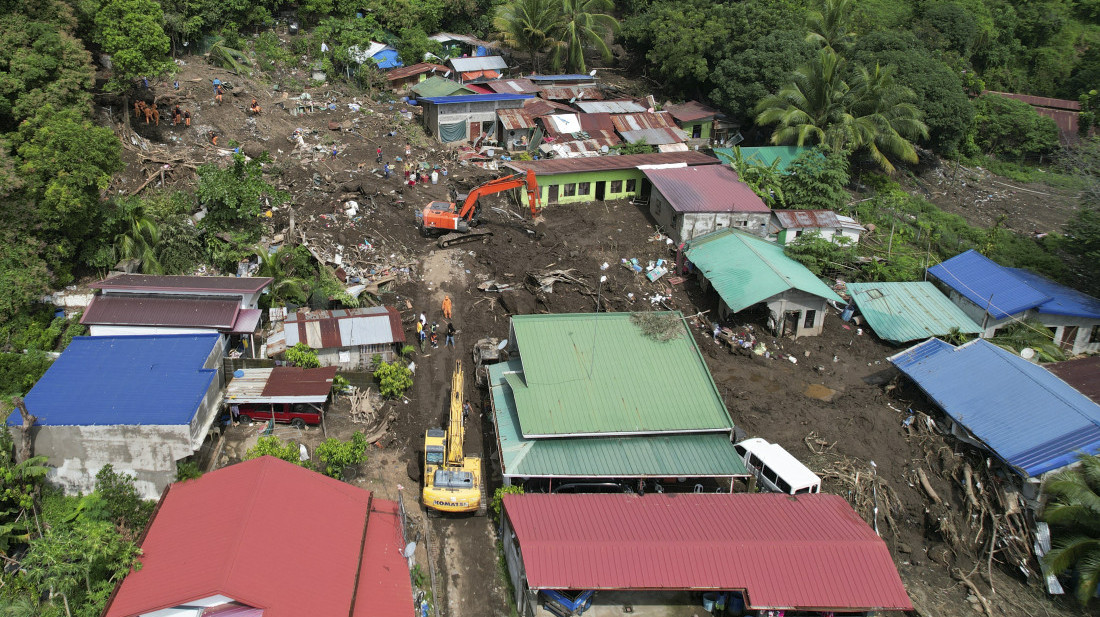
591, 177
689, 128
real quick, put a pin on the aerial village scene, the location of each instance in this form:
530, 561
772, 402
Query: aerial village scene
462, 308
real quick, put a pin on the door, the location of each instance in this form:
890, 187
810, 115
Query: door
697, 131
553, 196
475, 130
600, 188
1069, 337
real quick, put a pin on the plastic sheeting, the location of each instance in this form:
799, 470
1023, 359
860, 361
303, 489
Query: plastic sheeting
452, 132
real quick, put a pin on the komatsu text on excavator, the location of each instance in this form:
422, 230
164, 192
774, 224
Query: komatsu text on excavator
456, 223
452, 481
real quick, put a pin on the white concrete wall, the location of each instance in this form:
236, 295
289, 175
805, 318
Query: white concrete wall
358, 358
682, 227
780, 304
143, 330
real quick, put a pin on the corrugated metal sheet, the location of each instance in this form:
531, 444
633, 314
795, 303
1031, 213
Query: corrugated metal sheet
902, 312
345, 328
1028, 417
563, 78
294, 381
226, 521
247, 321
653, 137
745, 270
1083, 374
565, 93
170, 312
479, 63
708, 188
384, 588
444, 37
475, 98
1063, 300
589, 374
438, 86
637, 122
609, 107
416, 69
811, 552
514, 86
1040, 101
691, 111
988, 284
807, 219
210, 284
512, 119
609, 163
124, 380
692, 455
541, 107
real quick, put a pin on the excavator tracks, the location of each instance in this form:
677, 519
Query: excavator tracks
462, 238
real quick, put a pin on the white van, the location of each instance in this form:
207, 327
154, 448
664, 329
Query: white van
775, 469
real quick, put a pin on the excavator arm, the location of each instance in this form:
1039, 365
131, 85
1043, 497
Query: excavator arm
506, 183
456, 431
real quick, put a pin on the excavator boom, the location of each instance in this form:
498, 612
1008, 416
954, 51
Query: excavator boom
456, 432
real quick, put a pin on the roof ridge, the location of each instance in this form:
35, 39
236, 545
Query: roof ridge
767, 261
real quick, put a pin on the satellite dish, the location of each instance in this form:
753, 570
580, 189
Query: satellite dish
1027, 353
447, 74
501, 345
592, 73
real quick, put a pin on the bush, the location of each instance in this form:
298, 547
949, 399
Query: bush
273, 446
816, 180
393, 379
303, 356
498, 498
1011, 129
187, 470
336, 454
19, 372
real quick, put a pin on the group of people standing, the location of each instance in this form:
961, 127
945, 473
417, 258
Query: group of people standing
429, 333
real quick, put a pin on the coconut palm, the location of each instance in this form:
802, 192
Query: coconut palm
582, 23
764, 180
1029, 334
885, 120
1073, 513
138, 238
279, 266
528, 25
831, 25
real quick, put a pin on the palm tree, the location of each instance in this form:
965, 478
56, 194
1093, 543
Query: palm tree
1073, 512
830, 26
764, 180
527, 25
1029, 334
138, 238
279, 266
885, 120
582, 23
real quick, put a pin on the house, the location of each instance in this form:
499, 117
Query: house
692, 201
766, 156
1065, 113
699, 121
140, 403
789, 225
997, 401
564, 80
464, 44
747, 270
655, 129
810, 554
995, 296
573, 180
575, 135
401, 78
246, 290
266, 537
570, 93
481, 68
517, 85
437, 85
516, 128
1082, 374
345, 338
578, 400
381, 55
902, 312
619, 106
466, 117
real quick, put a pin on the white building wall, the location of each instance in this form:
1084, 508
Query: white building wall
143, 330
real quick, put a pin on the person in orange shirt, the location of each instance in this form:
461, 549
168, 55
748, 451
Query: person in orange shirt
447, 307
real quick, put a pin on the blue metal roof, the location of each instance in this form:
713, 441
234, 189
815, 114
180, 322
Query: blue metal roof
1064, 300
1026, 416
988, 284
113, 380
477, 98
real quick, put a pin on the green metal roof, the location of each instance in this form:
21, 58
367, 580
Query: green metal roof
692, 455
766, 155
900, 312
745, 269
590, 374
439, 86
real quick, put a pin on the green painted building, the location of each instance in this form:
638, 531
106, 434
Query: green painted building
696, 119
599, 178
588, 396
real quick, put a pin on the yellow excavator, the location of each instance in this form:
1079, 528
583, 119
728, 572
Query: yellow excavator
452, 480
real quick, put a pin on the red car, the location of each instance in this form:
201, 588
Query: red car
297, 414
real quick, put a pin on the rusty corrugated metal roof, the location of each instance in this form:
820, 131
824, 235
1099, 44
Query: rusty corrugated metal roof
1083, 374
705, 189
691, 111
542, 107
169, 312
606, 163
637, 122
512, 86
624, 106
815, 219
512, 119
345, 327
565, 93
810, 552
402, 72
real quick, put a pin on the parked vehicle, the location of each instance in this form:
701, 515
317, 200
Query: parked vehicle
297, 414
775, 469
566, 603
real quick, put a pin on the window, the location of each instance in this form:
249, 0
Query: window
768, 474
742, 223
697, 131
1095, 336
568, 190
584, 188
810, 317
782, 485
754, 461
616, 186
631, 186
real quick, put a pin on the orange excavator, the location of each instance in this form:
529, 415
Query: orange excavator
456, 224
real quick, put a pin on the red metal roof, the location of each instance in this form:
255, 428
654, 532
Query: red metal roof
542, 107
512, 119
294, 381
713, 188
480, 89
1083, 374
261, 532
794, 219
607, 163
402, 72
206, 284
691, 111
247, 320
169, 312
636, 122
811, 552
